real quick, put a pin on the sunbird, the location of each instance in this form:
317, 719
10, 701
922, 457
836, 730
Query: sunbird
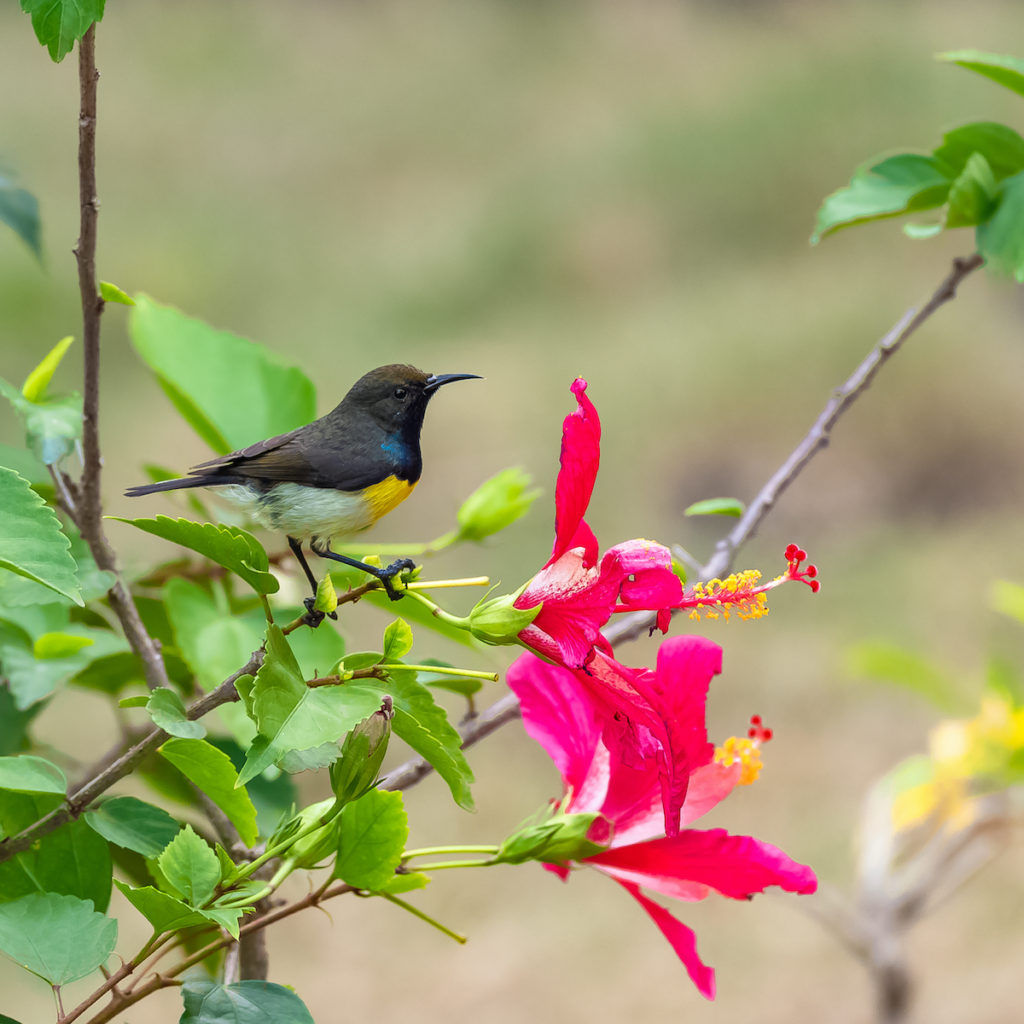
336, 476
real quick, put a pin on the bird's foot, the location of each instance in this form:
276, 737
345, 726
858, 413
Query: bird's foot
393, 570
314, 616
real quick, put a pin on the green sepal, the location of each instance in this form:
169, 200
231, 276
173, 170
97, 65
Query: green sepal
496, 620
558, 840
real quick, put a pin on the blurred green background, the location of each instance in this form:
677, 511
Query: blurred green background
531, 191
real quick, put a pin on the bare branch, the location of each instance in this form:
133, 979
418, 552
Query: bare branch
629, 627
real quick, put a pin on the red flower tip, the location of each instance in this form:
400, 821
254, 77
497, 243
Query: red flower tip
795, 570
578, 387
757, 731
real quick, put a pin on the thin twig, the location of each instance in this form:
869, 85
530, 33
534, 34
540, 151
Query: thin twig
631, 626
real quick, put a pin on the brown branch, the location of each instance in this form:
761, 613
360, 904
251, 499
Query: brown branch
85, 506
631, 626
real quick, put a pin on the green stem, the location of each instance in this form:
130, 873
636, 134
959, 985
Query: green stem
444, 865
461, 939
266, 608
438, 612
443, 670
436, 851
325, 819
466, 581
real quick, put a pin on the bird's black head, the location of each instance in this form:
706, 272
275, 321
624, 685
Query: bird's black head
396, 396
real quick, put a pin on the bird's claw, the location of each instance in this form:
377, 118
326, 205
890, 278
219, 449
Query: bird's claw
314, 616
393, 570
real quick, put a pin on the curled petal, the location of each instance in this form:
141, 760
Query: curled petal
580, 458
735, 866
644, 569
682, 940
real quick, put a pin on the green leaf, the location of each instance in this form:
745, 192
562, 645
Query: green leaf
31, 542
59, 24
243, 1002
37, 382
230, 390
1001, 237
52, 426
229, 546
214, 642
161, 910
33, 679
60, 645
1007, 598
19, 210
211, 771
326, 600
1004, 70
716, 507
921, 231
973, 195
897, 185
292, 716
73, 860
191, 866
399, 884
1000, 145
372, 838
885, 663
58, 938
133, 824
422, 723
168, 713
24, 463
14, 723
30, 774
397, 640
111, 293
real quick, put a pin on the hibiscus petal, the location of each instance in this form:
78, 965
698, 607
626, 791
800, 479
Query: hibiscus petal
644, 569
576, 602
735, 866
580, 458
681, 938
559, 715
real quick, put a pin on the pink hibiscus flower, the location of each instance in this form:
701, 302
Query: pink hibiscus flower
559, 711
576, 591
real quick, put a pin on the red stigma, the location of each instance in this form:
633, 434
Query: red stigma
757, 731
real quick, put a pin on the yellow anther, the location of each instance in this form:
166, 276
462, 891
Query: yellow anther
745, 752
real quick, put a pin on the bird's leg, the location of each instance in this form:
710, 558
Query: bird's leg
384, 575
313, 617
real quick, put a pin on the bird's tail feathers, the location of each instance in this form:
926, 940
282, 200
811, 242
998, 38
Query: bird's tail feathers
179, 483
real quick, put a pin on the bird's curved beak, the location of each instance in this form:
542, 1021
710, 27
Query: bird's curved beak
435, 380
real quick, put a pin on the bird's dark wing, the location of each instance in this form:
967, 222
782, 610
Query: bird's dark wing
302, 456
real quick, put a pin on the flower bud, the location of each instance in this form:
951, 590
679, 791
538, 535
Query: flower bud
498, 621
496, 504
362, 753
556, 841
320, 844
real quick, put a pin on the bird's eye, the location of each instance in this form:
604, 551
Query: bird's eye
400, 393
